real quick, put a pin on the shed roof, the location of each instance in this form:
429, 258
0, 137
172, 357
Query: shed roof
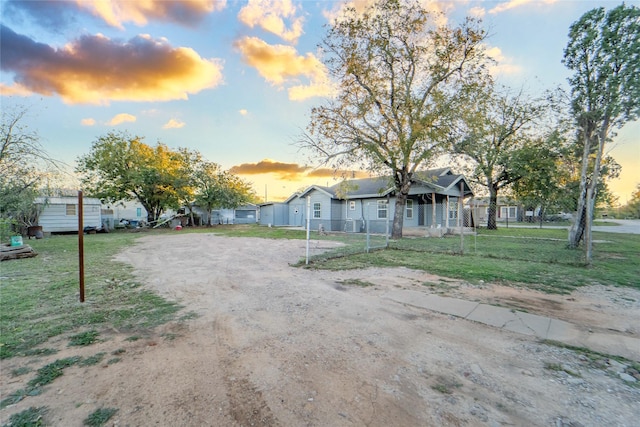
66, 200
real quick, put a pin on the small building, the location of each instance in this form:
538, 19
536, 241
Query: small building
507, 210
60, 214
274, 214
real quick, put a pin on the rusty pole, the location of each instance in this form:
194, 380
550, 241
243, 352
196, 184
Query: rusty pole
81, 244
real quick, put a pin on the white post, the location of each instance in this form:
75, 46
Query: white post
446, 214
308, 226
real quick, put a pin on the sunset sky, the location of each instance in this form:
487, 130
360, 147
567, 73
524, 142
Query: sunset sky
234, 80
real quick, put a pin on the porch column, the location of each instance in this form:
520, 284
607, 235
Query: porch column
446, 213
433, 210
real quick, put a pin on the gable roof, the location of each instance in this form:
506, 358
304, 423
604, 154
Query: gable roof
441, 180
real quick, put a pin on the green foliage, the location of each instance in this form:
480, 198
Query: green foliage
83, 338
216, 188
532, 258
497, 131
100, 417
602, 53
120, 167
92, 360
31, 417
632, 208
50, 372
40, 294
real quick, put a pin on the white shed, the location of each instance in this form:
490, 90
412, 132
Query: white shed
60, 214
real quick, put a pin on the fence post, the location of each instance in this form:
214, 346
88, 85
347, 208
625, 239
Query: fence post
461, 217
308, 226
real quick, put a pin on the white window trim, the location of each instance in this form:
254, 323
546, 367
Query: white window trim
507, 209
352, 205
75, 209
409, 209
385, 204
317, 213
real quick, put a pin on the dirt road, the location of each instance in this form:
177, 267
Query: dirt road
274, 345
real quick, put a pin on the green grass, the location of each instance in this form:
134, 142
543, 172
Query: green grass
50, 372
100, 417
31, 417
83, 338
533, 258
40, 295
92, 360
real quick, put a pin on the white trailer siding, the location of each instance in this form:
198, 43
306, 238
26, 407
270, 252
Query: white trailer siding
60, 214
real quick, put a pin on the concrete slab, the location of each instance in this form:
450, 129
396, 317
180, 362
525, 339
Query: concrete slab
537, 325
559, 330
521, 322
492, 315
453, 306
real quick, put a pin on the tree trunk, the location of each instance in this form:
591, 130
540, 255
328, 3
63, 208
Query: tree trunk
576, 232
403, 184
398, 216
493, 208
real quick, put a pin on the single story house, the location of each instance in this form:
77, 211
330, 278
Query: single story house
60, 214
507, 210
435, 200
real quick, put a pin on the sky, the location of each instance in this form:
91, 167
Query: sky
236, 80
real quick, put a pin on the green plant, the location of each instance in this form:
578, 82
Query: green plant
50, 372
99, 417
92, 360
39, 295
20, 371
31, 417
83, 338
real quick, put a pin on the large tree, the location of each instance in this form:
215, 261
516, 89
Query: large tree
496, 132
216, 188
121, 167
604, 54
397, 71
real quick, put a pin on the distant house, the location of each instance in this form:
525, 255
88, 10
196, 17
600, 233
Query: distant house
131, 211
507, 210
435, 200
60, 214
245, 214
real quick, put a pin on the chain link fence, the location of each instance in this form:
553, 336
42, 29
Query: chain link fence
454, 229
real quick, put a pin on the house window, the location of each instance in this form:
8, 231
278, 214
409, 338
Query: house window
138, 212
71, 210
316, 210
453, 208
508, 212
382, 209
409, 209
352, 205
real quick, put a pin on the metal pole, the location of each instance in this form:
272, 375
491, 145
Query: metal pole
308, 225
367, 227
81, 244
461, 217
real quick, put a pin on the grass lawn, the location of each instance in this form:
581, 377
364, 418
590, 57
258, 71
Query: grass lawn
39, 296
533, 258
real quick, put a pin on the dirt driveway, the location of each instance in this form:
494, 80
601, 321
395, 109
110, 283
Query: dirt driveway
274, 345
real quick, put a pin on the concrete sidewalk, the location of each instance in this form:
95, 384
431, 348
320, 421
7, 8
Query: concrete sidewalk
522, 323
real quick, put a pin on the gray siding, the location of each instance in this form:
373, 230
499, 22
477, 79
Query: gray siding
54, 218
